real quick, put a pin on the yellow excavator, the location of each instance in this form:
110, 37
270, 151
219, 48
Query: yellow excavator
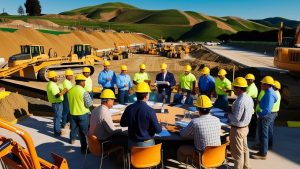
14, 156
33, 63
287, 54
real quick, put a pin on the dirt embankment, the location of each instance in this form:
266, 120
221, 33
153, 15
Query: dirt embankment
10, 42
13, 107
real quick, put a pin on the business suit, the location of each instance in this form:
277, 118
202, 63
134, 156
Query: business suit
164, 90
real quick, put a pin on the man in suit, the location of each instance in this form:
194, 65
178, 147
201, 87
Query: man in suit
164, 81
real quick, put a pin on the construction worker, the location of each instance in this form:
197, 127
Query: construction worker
252, 91
239, 119
165, 88
55, 97
141, 119
79, 103
107, 77
222, 85
141, 76
265, 116
67, 84
205, 130
275, 110
206, 82
183, 98
101, 124
86, 71
187, 80
124, 85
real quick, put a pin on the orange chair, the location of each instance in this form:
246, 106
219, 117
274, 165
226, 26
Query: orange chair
211, 157
97, 149
146, 157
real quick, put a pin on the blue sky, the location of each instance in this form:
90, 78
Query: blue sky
247, 9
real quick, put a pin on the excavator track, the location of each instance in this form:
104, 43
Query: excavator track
60, 70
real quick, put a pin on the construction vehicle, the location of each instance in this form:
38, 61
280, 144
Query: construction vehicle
175, 50
14, 156
121, 51
287, 54
33, 63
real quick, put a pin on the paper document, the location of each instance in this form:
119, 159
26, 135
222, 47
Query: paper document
181, 123
114, 111
118, 106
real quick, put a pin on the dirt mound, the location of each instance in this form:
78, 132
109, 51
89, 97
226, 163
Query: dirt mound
220, 24
43, 22
61, 44
19, 23
191, 19
13, 107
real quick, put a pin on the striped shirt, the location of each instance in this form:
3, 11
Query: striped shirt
205, 130
88, 102
242, 110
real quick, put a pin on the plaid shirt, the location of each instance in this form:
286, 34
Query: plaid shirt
242, 110
205, 130
88, 102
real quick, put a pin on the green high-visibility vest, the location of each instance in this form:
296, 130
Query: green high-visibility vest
76, 102
260, 96
276, 105
52, 90
88, 85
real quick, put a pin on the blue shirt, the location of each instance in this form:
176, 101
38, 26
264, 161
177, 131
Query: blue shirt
206, 84
267, 102
123, 79
141, 121
102, 79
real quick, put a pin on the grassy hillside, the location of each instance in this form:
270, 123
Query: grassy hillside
243, 25
132, 16
204, 31
169, 17
275, 22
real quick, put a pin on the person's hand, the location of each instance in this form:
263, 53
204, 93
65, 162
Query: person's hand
64, 91
108, 79
130, 91
168, 83
125, 85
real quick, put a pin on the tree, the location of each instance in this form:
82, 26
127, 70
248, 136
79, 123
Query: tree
21, 10
33, 7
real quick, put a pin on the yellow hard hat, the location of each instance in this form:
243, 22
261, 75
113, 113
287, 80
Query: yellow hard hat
163, 66
250, 76
205, 70
80, 77
106, 63
268, 80
107, 94
86, 70
52, 74
240, 82
142, 66
277, 84
124, 67
69, 72
188, 68
143, 87
203, 102
222, 72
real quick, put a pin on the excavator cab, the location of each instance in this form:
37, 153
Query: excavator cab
82, 50
28, 53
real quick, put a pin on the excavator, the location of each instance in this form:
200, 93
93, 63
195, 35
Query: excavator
33, 63
14, 156
121, 51
287, 54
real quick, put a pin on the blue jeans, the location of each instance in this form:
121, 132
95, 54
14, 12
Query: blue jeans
163, 96
123, 96
221, 102
81, 124
66, 112
58, 110
147, 143
264, 124
271, 129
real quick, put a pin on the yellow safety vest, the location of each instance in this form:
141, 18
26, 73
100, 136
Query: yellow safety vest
52, 90
276, 105
76, 102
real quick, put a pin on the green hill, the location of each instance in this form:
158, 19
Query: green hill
168, 17
204, 31
245, 25
275, 22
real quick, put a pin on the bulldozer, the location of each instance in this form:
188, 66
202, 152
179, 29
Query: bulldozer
121, 51
33, 63
14, 156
